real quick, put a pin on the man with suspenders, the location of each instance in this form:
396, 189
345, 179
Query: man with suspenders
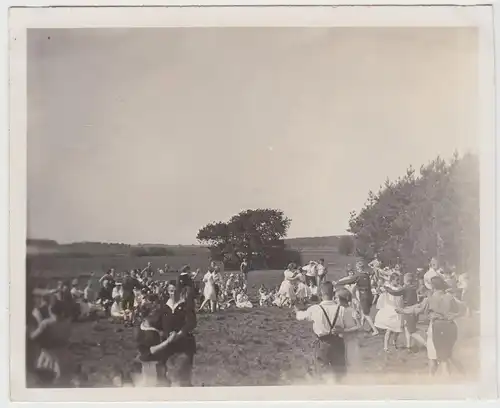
328, 325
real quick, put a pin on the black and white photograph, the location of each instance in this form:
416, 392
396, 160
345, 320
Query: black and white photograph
245, 206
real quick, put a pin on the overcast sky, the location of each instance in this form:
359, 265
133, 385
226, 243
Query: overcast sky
146, 135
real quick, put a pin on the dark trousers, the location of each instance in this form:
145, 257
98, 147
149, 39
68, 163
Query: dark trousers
128, 302
181, 355
310, 280
330, 356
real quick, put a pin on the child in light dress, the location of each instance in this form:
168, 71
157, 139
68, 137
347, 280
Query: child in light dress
117, 312
287, 288
265, 299
387, 318
242, 301
209, 291
303, 292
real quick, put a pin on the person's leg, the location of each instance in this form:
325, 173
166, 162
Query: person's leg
387, 338
212, 306
184, 373
395, 340
407, 337
205, 301
368, 318
432, 367
416, 336
338, 359
321, 359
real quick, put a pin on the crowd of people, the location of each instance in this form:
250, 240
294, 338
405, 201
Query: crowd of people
163, 314
399, 298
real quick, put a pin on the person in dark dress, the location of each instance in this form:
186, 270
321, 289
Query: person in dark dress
177, 324
151, 346
128, 285
362, 281
245, 268
109, 276
105, 296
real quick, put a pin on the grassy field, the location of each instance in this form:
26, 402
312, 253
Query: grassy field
260, 346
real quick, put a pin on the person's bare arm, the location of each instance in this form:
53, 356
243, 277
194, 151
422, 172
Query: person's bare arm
394, 292
44, 324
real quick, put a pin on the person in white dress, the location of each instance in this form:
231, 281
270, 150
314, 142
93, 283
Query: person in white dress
387, 318
287, 288
242, 301
209, 292
303, 291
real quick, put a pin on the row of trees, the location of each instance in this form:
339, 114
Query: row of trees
418, 216
253, 234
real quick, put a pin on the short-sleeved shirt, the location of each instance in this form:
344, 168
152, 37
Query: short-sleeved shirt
311, 270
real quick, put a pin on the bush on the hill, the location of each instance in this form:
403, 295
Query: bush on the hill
434, 213
346, 245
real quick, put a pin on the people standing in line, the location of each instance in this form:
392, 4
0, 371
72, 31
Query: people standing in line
443, 309
330, 354
365, 296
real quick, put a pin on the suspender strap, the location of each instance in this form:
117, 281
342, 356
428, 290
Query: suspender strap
332, 325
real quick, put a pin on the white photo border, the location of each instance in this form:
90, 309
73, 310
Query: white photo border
20, 19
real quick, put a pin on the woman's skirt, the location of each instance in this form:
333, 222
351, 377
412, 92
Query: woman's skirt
441, 338
388, 319
287, 290
209, 292
303, 291
380, 301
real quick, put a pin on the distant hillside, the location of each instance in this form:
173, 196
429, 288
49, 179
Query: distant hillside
93, 249
313, 242
98, 249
